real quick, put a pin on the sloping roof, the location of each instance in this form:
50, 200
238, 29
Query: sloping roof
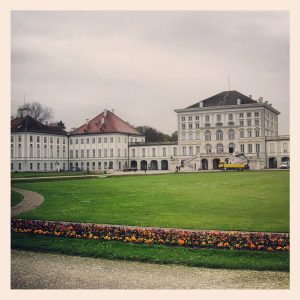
225, 98
106, 122
29, 124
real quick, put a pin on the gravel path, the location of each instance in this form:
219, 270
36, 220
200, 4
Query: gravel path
31, 200
30, 270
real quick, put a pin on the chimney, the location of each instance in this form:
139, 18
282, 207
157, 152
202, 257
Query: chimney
105, 112
260, 100
200, 104
250, 96
238, 101
113, 110
266, 102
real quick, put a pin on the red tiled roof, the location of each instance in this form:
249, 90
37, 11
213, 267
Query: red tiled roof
109, 123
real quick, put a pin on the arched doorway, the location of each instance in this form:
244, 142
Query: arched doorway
133, 164
164, 165
204, 164
216, 163
153, 165
272, 163
143, 164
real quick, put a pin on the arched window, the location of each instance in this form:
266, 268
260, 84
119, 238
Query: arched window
207, 135
219, 135
231, 134
208, 148
220, 148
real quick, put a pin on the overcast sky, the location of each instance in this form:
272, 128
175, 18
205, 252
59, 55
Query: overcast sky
146, 64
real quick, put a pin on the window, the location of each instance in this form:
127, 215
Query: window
57, 140
64, 151
183, 136
93, 140
11, 139
105, 140
31, 139
182, 118
51, 139
183, 150
76, 153
249, 115
220, 149
105, 165
105, 152
207, 118
37, 139
197, 135
111, 139
285, 147
248, 122
111, 152
153, 152
183, 126
256, 122
257, 148
76, 141
19, 138
242, 134
230, 117
94, 153
257, 133
197, 149
99, 152
175, 151
119, 139
93, 165
99, 165
64, 141
256, 114
31, 151
208, 148
99, 140
207, 135
164, 152
249, 133
190, 118
38, 151
51, 151
197, 125
45, 151
45, 167
241, 115
241, 123
87, 140
81, 141
45, 139
119, 152
125, 152
197, 118
242, 148
219, 135
82, 153
20, 166
31, 166
190, 126
143, 152
249, 148
71, 153
190, 135
231, 134
12, 150
218, 117
51, 166
19, 150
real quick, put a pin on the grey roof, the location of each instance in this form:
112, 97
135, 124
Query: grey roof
225, 98
29, 124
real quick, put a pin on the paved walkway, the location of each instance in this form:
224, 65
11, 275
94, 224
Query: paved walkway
31, 270
30, 201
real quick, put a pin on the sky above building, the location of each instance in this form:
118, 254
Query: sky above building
145, 64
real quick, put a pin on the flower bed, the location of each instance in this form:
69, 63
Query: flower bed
234, 240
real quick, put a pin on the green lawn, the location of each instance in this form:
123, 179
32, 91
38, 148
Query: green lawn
15, 198
251, 201
46, 174
227, 259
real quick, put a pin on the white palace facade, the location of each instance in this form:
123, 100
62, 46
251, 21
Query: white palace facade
210, 130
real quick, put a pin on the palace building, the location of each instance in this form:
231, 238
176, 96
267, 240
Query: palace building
210, 130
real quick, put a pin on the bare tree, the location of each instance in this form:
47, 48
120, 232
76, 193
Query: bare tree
39, 112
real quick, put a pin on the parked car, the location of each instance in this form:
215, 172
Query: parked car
76, 169
285, 165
